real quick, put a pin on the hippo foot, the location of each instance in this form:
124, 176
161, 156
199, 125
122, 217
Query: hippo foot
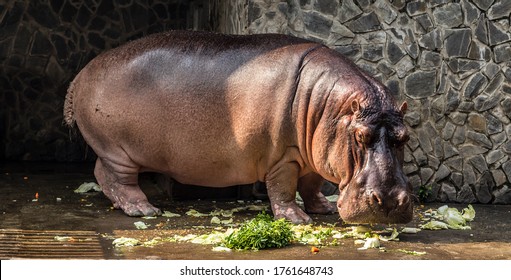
318, 204
292, 213
139, 209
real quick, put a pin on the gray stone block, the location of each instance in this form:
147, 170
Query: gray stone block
502, 195
481, 30
479, 51
326, 6
385, 11
483, 102
424, 23
465, 195
463, 65
483, 4
365, 23
457, 42
430, 60
317, 24
483, 187
447, 193
475, 85
480, 139
494, 124
442, 173
479, 163
416, 7
497, 34
470, 12
448, 16
502, 53
420, 84
432, 40
348, 11
394, 52
372, 52
500, 9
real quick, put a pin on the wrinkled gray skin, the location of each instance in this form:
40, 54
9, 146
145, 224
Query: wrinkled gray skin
217, 110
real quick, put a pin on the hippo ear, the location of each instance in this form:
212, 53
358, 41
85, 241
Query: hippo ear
355, 106
403, 108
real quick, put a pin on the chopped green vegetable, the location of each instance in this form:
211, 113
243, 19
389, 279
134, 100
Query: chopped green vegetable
371, 242
87, 187
169, 214
260, 233
414, 253
63, 238
221, 249
434, 225
410, 230
308, 234
125, 242
195, 213
216, 220
468, 213
446, 217
213, 238
392, 237
152, 242
140, 225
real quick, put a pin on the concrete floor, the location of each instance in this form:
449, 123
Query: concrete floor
28, 227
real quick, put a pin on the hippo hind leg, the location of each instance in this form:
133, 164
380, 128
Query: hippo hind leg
120, 185
309, 188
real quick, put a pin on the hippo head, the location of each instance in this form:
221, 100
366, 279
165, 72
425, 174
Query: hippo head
365, 156
377, 190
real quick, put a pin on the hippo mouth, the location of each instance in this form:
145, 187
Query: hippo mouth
359, 206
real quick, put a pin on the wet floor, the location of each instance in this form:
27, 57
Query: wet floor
42, 217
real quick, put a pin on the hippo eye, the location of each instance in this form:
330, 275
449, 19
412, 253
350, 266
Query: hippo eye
359, 135
400, 139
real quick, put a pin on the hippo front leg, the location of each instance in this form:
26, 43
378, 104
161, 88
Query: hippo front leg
281, 183
120, 184
309, 188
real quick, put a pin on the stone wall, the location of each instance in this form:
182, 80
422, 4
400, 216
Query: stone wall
451, 60
43, 45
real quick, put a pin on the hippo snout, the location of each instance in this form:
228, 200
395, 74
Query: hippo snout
366, 204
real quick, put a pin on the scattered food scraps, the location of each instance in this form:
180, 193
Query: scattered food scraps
140, 225
410, 230
371, 242
125, 242
149, 217
221, 249
216, 221
414, 253
314, 250
195, 213
434, 225
64, 238
392, 237
169, 214
87, 187
446, 217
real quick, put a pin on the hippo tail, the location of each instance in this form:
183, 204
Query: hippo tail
69, 118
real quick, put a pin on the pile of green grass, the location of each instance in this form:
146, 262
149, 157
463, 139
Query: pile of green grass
262, 232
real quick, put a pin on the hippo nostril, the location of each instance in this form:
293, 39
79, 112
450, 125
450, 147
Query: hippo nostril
403, 199
376, 198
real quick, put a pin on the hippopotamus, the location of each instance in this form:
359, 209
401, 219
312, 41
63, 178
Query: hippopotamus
222, 110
